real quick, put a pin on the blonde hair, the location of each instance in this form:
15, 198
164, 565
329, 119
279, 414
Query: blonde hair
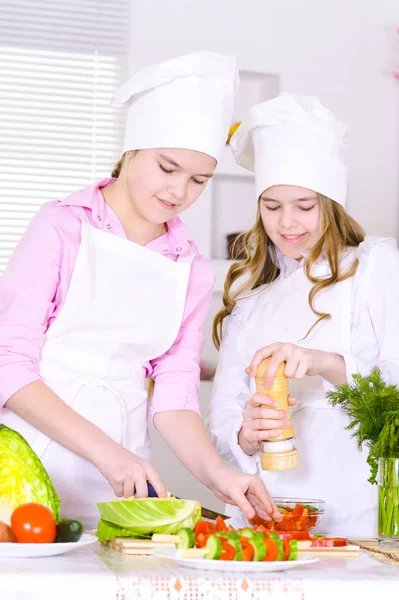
339, 231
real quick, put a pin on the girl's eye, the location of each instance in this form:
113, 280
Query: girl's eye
307, 209
199, 182
272, 208
165, 170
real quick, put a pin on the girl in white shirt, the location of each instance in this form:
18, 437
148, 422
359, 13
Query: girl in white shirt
312, 291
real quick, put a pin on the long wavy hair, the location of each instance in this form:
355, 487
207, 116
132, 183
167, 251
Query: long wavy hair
259, 265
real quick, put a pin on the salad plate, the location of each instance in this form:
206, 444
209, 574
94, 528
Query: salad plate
15, 550
232, 565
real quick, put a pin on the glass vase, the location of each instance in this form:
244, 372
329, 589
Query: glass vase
388, 502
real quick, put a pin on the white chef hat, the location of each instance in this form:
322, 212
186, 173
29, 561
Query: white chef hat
293, 140
184, 102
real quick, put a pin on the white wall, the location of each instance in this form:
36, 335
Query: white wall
336, 50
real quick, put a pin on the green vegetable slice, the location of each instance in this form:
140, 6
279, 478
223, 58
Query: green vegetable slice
257, 542
214, 546
293, 555
187, 538
248, 533
276, 538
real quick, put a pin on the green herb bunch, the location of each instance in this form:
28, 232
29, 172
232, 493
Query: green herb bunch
373, 407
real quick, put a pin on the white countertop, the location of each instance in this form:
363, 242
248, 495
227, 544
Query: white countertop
100, 573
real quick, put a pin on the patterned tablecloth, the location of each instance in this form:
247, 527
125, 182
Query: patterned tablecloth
100, 573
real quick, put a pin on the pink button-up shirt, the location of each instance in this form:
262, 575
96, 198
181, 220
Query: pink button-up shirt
34, 287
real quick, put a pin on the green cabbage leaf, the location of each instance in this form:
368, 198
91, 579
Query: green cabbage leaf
141, 517
22, 476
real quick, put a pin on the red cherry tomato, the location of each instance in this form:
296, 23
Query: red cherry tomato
33, 523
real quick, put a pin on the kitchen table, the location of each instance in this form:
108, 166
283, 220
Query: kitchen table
97, 572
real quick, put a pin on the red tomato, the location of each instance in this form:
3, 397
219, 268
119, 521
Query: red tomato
33, 523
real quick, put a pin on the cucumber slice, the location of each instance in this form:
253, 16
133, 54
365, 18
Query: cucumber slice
277, 540
310, 507
214, 546
186, 538
293, 550
237, 547
234, 540
248, 533
257, 542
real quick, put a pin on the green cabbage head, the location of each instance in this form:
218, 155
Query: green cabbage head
22, 476
141, 517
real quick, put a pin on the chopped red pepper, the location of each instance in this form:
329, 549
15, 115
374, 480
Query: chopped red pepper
220, 525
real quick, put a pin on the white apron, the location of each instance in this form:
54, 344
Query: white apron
330, 466
124, 307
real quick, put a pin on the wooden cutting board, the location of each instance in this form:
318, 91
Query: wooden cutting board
349, 551
133, 546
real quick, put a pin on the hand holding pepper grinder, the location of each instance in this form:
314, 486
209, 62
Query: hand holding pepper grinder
279, 453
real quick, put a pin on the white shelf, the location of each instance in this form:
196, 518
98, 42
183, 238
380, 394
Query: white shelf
227, 166
220, 268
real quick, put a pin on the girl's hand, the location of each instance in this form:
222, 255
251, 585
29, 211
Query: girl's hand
300, 361
128, 474
248, 492
262, 423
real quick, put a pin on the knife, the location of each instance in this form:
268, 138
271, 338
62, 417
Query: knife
207, 513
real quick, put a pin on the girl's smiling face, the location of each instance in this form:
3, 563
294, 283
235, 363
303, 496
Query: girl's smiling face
291, 218
163, 182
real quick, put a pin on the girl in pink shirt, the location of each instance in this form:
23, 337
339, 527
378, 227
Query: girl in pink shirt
107, 288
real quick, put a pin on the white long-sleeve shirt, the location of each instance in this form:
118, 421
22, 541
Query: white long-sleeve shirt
374, 341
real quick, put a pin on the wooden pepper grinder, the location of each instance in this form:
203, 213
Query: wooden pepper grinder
279, 453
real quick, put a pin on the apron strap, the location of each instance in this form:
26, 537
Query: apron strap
80, 211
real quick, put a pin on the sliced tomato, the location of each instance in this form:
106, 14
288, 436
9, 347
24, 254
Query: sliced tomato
298, 511
220, 524
287, 549
200, 540
247, 549
328, 542
228, 552
294, 535
271, 550
201, 527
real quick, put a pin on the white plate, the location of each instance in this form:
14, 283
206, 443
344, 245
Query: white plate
16, 550
232, 565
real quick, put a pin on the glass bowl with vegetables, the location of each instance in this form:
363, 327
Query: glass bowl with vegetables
298, 514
